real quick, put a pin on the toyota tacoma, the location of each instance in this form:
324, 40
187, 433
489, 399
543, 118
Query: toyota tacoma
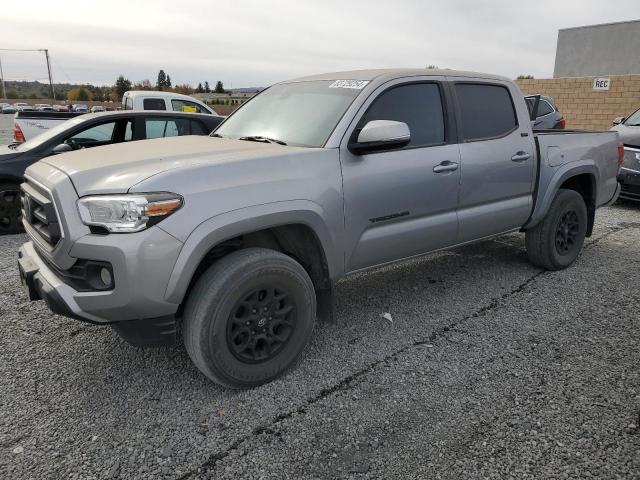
236, 240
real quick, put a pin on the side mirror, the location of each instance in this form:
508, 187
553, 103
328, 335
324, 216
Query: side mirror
62, 148
381, 135
618, 120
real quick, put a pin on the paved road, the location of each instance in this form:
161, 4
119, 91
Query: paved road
490, 369
6, 129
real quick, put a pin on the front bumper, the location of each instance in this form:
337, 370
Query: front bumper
629, 180
142, 264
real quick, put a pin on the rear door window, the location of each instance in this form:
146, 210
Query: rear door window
166, 127
153, 104
198, 128
486, 111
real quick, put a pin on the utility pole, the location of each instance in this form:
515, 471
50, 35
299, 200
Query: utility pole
4, 90
53, 94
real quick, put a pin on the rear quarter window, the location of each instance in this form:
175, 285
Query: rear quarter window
486, 111
154, 104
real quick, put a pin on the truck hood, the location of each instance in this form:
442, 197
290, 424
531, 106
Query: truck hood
117, 168
628, 135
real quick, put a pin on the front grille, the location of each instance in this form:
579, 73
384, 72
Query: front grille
40, 214
631, 158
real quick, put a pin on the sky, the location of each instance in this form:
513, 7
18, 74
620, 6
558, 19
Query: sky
256, 43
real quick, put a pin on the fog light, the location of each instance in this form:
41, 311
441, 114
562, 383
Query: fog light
105, 276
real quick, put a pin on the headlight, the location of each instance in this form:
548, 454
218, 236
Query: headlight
127, 213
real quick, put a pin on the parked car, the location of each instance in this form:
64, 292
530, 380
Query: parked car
43, 107
548, 116
629, 130
7, 108
60, 108
82, 132
242, 235
153, 100
21, 105
32, 125
97, 108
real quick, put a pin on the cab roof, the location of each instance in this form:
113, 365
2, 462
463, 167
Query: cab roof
391, 73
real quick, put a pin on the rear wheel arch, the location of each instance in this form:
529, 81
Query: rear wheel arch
580, 178
585, 185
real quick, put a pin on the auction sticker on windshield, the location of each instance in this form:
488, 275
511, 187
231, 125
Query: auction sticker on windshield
355, 84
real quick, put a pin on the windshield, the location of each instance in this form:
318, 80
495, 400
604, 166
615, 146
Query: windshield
49, 134
633, 120
300, 113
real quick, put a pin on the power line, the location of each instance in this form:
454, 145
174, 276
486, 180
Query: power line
46, 56
60, 68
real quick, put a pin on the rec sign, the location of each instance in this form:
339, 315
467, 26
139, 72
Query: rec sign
601, 83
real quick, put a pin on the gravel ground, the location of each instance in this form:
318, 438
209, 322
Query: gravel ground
490, 368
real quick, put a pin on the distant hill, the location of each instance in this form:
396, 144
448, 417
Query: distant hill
22, 90
35, 90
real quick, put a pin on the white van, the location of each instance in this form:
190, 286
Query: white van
153, 100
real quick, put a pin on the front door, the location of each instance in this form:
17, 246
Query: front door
402, 202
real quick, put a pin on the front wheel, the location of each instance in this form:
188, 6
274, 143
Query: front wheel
249, 317
556, 242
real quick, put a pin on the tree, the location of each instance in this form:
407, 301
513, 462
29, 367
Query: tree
206, 87
199, 88
184, 89
219, 87
525, 77
81, 94
143, 85
162, 80
168, 82
121, 86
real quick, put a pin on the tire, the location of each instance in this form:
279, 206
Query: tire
556, 242
236, 352
10, 209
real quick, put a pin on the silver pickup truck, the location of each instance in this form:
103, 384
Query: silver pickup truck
237, 239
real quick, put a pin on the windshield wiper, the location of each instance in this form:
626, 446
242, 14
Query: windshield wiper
217, 135
259, 138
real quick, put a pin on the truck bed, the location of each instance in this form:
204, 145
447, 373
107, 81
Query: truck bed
593, 153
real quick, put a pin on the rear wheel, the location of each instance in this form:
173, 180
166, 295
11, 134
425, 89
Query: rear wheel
556, 242
249, 317
10, 209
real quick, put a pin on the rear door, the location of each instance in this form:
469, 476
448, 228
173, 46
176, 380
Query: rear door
396, 204
497, 157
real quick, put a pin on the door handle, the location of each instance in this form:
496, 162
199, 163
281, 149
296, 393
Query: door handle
445, 166
521, 157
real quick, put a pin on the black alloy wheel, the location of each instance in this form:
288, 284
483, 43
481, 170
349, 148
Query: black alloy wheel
567, 232
261, 324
